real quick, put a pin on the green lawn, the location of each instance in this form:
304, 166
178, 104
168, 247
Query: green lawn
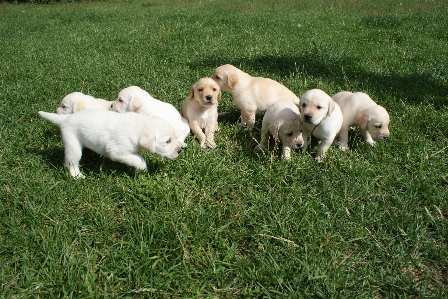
228, 222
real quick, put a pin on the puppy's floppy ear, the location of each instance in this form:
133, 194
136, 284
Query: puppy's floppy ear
148, 142
135, 104
274, 128
331, 106
191, 94
78, 106
232, 79
219, 96
362, 120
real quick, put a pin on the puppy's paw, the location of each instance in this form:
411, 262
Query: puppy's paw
182, 144
371, 142
210, 144
79, 176
343, 147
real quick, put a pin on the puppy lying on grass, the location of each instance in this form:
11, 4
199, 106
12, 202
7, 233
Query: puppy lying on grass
251, 94
200, 108
358, 108
77, 101
322, 117
117, 136
282, 121
135, 99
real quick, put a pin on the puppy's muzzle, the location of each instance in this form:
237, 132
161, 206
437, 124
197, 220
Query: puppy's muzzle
208, 98
307, 117
300, 144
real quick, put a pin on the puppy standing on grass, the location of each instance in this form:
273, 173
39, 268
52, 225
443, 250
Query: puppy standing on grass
322, 117
116, 136
200, 108
77, 101
358, 108
251, 94
135, 99
282, 121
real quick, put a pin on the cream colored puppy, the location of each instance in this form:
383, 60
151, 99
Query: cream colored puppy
251, 94
358, 108
282, 121
77, 101
135, 99
200, 108
322, 117
117, 136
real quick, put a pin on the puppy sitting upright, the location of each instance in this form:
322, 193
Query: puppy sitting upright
77, 101
114, 135
251, 94
322, 117
282, 121
135, 99
358, 108
200, 108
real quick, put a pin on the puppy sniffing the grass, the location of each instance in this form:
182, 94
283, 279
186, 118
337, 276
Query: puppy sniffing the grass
358, 108
77, 101
117, 136
200, 108
282, 121
322, 117
251, 94
135, 99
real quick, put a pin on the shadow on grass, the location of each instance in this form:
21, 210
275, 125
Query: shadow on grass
342, 71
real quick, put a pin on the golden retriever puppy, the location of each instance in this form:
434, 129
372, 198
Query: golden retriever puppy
135, 99
358, 108
322, 117
200, 108
117, 136
251, 94
282, 121
77, 101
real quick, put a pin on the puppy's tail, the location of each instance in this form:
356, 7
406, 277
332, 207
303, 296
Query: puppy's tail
57, 119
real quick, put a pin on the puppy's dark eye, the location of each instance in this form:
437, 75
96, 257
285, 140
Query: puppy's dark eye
200, 89
217, 77
214, 89
120, 100
289, 134
63, 106
319, 107
303, 105
378, 126
169, 141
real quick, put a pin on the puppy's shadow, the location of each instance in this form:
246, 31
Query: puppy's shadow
91, 163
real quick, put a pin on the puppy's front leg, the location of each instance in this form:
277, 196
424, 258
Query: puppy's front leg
134, 160
343, 138
368, 138
197, 131
210, 135
322, 149
305, 134
287, 152
248, 118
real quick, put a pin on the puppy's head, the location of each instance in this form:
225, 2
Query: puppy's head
128, 100
376, 121
315, 105
289, 132
205, 92
71, 103
158, 137
226, 76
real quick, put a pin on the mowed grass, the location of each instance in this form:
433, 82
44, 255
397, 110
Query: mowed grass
228, 222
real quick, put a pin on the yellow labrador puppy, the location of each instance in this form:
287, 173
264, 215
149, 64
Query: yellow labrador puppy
282, 121
251, 94
135, 99
77, 101
322, 117
200, 108
358, 108
117, 136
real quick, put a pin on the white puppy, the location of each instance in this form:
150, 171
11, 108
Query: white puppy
322, 117
358, 108
282, 121
135, 99
200, 108
116, 136
77, 101
251, 94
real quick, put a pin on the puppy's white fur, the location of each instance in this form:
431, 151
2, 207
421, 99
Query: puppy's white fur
114, 135
200, 108
358, 108
282, 121
322, 117
251, 94
135, 99
77, 101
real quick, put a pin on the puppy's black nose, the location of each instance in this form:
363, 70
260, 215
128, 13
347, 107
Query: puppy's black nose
308, 117
385, 137
111, 106
299, 144
208, 97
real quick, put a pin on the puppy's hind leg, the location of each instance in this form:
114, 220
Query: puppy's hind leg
248, 118
73, 153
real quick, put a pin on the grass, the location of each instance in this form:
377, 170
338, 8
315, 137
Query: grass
228, 222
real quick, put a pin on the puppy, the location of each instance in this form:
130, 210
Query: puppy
322, 117
358, 108
282, 121
77, 101
200, 108
114, 135
135, 99
251, 94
